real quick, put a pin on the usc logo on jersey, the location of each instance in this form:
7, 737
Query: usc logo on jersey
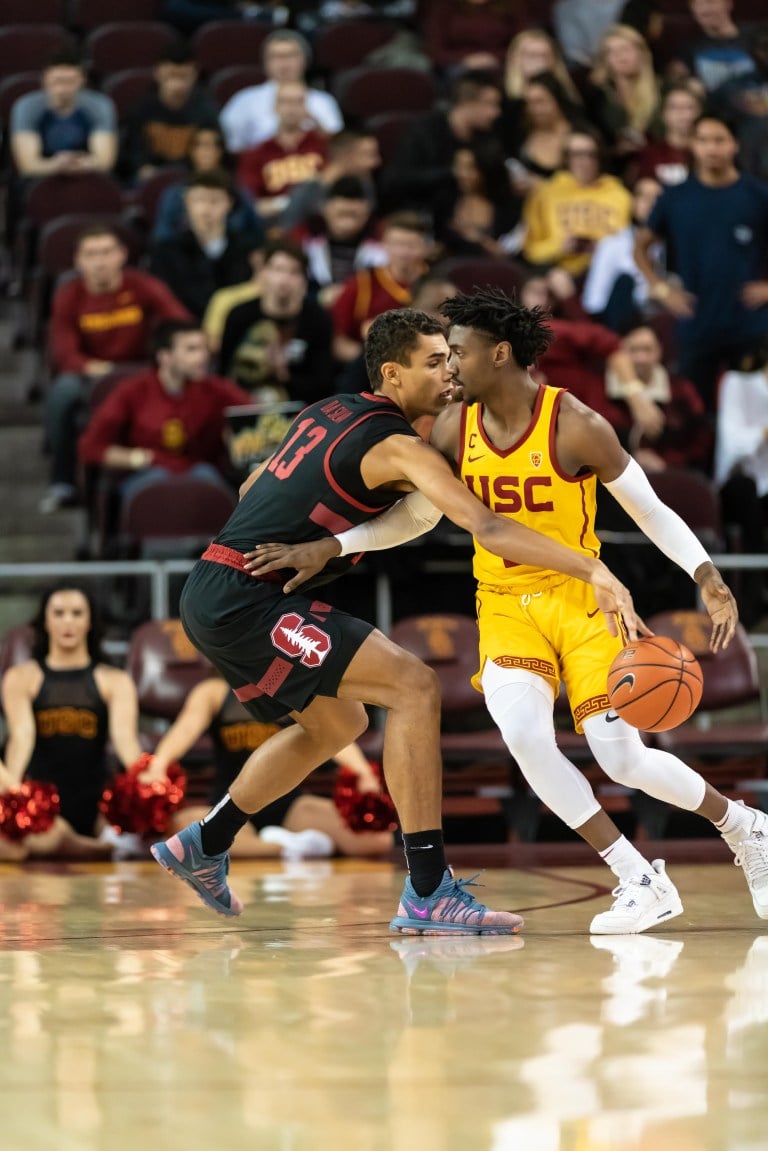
507, 494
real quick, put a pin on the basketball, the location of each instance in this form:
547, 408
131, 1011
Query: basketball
655, 684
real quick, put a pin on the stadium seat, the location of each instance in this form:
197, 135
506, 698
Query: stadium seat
90, 14
366, 92
470, 273
174, 516
130, 44
225, 44
39, 12
126, 88
90, 192
223, 84
346, 44
165, 667
146, 197
29, 47
388, 128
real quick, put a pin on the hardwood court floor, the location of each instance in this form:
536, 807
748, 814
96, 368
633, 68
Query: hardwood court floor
132, 1018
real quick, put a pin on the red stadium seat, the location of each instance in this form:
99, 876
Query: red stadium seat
366, 92
90, 14
470, 273
127, 87
87, 192
146, 197
224, 83
388, 128
164, 666
29, 47
39, 12
132, 44
224, 44
346, 44
174, 516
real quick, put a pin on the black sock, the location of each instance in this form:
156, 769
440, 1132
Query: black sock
425, 857
220, 826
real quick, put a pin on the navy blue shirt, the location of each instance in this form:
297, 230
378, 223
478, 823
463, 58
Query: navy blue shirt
717, 240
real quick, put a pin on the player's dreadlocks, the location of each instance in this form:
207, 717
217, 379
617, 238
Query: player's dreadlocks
501, 318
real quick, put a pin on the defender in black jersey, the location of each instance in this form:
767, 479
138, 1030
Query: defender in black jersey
344, 461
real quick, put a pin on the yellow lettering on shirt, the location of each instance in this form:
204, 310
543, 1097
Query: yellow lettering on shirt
67, 721
127, 317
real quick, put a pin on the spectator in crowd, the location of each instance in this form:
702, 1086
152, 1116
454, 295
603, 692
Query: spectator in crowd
206, 256
167, 421
295, 826
741, 471
721, 51
622, 97
566, 215
423, 164
278, 346
370, 292
715, 226
745, 97
340, 242
453, 30
189, 15
64, 128
293, 155
224, 300
681, 437
530, 53
537, 141
351, 152
206, 153
250, 117
101, 319
61, 706
478, 217
579, 26
159, 128
615, 290
666, 157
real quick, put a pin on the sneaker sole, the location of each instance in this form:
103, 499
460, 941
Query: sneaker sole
760, 910
673, 909
419, 927
170, 863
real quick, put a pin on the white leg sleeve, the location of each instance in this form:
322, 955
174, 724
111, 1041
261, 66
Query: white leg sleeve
520, 703
623, 756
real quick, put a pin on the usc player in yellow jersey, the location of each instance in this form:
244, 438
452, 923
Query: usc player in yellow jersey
534, 453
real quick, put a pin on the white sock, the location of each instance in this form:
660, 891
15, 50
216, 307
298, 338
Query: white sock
299, 844
738, 823
625, 860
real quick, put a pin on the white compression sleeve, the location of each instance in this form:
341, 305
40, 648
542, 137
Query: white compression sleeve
408, 518
663, 527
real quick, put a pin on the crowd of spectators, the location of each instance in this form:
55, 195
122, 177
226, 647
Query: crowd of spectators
607, 155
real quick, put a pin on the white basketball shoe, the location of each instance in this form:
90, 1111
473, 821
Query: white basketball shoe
642, 902
752, 857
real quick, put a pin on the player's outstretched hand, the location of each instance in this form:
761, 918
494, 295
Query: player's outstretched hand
721, 608
306, 558
614, 600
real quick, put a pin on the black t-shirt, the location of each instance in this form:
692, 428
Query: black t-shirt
313, 487
292, 354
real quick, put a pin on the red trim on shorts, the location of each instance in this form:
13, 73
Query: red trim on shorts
272, 680
218, 554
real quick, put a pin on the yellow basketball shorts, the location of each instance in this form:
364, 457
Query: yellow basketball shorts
558, 633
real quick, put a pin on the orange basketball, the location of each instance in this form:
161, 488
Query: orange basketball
655, 684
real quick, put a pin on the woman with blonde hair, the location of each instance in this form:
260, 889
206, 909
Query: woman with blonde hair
529, 53
623, 94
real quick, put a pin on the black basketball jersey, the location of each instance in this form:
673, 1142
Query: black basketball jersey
72, 725
312, 486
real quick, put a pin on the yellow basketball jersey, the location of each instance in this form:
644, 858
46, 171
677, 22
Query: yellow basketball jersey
525, 483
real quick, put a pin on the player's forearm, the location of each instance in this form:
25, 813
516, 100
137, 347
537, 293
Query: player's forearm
664, 528
514, 541
406, 520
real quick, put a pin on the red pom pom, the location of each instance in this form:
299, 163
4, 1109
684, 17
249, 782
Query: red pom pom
363, 810
28, 809
141, 806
